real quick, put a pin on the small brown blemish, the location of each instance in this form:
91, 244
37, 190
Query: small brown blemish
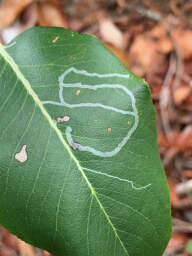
72, 58
63, 119
75, 145
22, 156
128, 122
55, 39
109, 129
77, 92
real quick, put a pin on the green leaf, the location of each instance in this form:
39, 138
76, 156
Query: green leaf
80, 172
189, 247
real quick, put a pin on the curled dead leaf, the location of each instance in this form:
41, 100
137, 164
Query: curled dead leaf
181, 93
10, 10
25, 248
50, 13
111, 33
184, 38
144, 56
177, 242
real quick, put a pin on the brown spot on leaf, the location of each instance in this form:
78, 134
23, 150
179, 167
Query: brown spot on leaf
72, 58
78, 92
22, 156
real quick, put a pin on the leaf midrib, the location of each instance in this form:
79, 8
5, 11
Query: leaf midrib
36, 99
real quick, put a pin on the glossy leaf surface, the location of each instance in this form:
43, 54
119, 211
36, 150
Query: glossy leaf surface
80, 172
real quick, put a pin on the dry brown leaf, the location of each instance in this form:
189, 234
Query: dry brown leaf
51, 14
10, 10
182, 37
163, 141
27, 20
188, 104
184, 41
25, 249
181, 93
122, 3
175, 7
162, 40
45, 253
6, 251
76, 24
187, 174
175, 200
177, 242
144, 56
29, 16
148, 51
111, 33
185, 139
9, 240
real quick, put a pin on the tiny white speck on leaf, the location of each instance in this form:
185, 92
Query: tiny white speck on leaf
55, 39
109, 129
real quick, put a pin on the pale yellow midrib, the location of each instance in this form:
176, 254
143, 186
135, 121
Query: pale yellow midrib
36, 99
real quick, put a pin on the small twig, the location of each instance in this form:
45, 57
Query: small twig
181, 226
149, 13
1, 38
169, 155
180, 63
184, 187
187, 79
165, 97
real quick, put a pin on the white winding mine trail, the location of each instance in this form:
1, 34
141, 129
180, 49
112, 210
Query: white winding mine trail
133, 113
63, 103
